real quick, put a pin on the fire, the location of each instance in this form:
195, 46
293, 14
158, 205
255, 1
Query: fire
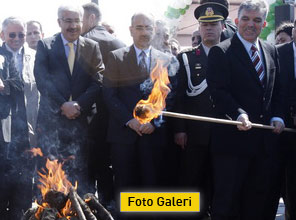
56, 180
36, 151
146, 110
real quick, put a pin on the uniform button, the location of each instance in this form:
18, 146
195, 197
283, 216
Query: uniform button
261, 116
263, 98
197, 74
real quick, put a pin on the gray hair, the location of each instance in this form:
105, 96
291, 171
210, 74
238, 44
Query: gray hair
254, 5
74, 8
13, 20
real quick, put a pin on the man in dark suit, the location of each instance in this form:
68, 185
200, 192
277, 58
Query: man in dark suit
136, 149
67, 70
193, 98
245, 86
288, 140
10, 84
100, 159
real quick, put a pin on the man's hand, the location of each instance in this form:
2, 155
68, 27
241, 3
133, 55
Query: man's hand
71, 109
135, 125
147, 128
278, 126
247, 125
1, 85
181, 139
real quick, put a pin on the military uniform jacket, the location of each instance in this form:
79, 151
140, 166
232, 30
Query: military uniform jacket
189, 101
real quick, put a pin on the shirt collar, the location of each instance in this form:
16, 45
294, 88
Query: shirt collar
206, 49
65, 42
18, 52
146, 51
247, 44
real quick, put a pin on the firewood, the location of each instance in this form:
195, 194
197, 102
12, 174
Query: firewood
73, 198
49, 214
30, 212
86, 210
94, 204
56, 199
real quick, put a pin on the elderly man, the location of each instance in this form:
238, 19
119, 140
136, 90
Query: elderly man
34, 33
136, 149
100, 159
24, 115
67, 70
193, 98
244, 84
13, 34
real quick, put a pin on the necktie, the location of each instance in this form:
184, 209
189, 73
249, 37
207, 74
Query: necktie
71, 56
142, 63
257, 63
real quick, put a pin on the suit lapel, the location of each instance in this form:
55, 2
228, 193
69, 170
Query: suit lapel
241, 53
59, 51
78, 54
266, 60
290, 61
132, 59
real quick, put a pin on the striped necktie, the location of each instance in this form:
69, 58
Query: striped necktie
71, 56
257, 63
142, 63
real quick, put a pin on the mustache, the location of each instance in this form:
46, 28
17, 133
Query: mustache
72, 30
145, 37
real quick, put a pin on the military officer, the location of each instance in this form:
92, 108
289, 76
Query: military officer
193, 98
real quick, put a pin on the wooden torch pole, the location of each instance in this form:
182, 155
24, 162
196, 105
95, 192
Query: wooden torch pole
217, 120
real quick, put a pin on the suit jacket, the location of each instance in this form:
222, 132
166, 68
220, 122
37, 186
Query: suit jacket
106, 41
123, 87
25, 105
287, 71
198, 132
12, 83
55, 82
235, 88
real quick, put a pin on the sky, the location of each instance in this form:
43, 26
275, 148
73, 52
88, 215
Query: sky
115, 12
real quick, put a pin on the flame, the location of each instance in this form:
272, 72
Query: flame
36, 151
54, 179
146, 110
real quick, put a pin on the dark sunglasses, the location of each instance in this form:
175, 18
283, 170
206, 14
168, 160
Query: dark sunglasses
13, 35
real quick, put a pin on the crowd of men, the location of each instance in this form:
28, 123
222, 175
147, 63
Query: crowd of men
73, 95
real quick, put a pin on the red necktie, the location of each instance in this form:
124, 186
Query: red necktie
257, 63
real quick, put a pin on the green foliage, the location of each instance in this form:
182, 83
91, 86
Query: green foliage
270, 20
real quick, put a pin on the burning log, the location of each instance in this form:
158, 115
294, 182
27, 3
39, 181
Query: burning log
86, 210
30, 214
56, 199
73, 198
50, 214
99, 210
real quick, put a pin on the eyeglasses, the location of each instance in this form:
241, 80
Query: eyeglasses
142, 28
70, 21
13, 35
